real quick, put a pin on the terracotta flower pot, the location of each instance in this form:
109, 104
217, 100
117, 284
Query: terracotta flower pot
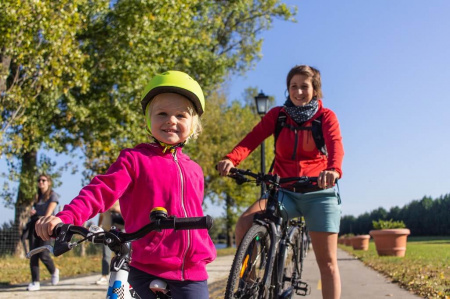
361, 242
390, 242
348, 241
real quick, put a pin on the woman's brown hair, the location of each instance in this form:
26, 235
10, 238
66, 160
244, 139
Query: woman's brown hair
46, 194
310, 72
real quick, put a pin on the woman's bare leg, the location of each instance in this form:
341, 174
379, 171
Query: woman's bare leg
325, 249
245, 221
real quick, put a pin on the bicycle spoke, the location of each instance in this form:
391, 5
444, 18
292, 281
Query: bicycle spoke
248, 269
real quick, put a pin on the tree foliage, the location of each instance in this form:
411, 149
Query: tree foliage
425, 217
207, 39
72, 72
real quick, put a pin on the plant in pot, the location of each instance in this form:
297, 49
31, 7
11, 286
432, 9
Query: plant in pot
360, 242
390, 237
348, 239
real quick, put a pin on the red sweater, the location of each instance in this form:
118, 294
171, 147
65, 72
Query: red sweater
307, 159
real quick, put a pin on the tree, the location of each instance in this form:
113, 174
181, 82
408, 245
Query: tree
41, 60
72, 71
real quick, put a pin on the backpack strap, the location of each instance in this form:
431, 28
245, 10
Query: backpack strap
281, 122
316, 129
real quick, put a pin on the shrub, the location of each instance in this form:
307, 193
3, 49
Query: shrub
387, 224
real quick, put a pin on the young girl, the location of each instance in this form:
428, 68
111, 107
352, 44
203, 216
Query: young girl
44, 205
152, 175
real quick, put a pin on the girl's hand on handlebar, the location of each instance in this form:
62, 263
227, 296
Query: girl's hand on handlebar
327, 179
224, 166
45, 225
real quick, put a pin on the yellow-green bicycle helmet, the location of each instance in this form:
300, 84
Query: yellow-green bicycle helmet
176, 82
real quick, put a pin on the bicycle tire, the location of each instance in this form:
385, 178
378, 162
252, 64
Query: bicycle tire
304, 248
291, 263
249, 266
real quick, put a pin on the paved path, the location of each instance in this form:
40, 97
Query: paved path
85, 287
358, 281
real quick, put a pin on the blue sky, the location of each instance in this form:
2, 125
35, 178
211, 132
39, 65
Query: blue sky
385, 71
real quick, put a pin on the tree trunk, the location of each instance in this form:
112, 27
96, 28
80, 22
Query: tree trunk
229, 221
4, 71
27, 188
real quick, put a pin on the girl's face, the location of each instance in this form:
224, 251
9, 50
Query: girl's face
171, 118
43, 183
301, 90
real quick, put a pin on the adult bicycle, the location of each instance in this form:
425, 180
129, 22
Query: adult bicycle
120, 243
269, 260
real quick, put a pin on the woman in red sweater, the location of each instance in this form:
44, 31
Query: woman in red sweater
296, 154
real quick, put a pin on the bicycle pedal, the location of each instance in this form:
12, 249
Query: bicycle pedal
302, 288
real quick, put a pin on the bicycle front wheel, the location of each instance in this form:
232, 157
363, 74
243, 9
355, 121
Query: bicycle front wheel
247, 271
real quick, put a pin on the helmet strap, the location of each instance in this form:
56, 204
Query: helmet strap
169, 147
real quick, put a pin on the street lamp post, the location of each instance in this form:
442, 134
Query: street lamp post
262, 105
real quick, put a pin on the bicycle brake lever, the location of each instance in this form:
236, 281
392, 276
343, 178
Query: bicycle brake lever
39, 249
62, 241
240, 179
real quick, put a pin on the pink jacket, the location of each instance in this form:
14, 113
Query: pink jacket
143, 178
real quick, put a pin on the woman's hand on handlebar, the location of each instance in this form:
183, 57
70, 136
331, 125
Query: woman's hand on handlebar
45, 225
327, 179
224, 166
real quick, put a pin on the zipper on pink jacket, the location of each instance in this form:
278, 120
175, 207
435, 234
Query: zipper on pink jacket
185, 214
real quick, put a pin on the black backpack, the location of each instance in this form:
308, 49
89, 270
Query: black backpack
316, 128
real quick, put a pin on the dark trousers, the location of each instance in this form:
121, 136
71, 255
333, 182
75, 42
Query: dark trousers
106, 260
140, 281
44, 256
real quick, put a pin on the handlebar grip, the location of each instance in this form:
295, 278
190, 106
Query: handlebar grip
57, 230
205, 222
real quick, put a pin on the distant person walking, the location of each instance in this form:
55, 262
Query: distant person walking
106, 220
44, 205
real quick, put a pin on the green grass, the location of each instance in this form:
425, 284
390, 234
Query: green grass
425, 269
17, 270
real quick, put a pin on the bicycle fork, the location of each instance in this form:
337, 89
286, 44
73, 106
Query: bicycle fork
119, 288
268, 274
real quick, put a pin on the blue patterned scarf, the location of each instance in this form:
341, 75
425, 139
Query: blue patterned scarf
301, 114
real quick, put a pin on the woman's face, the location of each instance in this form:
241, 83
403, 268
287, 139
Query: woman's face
43, 183
171, 120
301, 90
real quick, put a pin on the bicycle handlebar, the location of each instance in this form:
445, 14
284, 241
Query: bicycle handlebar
63, 233
204, 222
240, 176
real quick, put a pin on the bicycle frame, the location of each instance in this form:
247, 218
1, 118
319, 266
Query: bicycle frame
279, 238
280, 234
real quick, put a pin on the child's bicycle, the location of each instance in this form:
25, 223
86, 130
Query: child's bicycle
269, 260
119, 243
